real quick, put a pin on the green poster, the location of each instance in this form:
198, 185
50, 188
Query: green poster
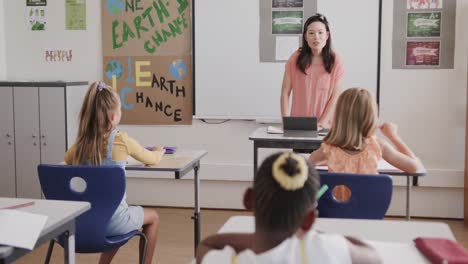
426, 24
286, 22
75, 14
36, 2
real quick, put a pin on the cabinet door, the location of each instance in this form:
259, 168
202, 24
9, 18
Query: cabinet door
7, 146
26, 107
52, 124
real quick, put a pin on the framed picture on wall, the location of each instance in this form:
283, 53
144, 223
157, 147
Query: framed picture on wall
286, 22
287, 3
423, 53
36, 2
423, 4
423, 24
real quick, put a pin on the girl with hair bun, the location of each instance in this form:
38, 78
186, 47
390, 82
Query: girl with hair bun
283, 199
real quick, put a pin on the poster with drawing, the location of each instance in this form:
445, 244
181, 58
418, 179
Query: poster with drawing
286, 22
75, 14
422, 53
36, 18
425, 24
36, 2
423, 4
147, 58
286, 3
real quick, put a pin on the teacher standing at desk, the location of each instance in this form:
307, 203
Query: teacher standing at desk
313, 74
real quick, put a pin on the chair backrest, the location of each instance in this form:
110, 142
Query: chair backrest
370, 196
105, 188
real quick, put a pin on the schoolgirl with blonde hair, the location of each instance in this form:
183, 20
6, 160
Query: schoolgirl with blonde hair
351, 145
100, 143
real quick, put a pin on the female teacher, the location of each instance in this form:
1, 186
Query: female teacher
313, 74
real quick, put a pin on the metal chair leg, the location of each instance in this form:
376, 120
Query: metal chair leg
143, 246
49, 251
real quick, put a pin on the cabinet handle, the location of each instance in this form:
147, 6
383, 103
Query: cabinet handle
43, 136
8, 135
35, 144
44, 144
34, 136
9, 142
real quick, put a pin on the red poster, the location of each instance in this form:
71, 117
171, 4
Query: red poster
419, 53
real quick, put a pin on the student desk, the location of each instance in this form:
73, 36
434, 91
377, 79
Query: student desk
180, 163
60, 221
377, 230
262, 139
393, 240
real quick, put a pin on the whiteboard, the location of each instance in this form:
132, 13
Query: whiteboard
230, 82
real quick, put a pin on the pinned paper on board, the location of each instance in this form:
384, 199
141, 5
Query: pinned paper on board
426, 24
287, 3
286, 22
424, 4
36, 2
58, 55
421, 53
75, 14
285, 46
36, 18
151, 69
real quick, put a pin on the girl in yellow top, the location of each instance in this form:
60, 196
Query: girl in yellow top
351, 145
100, 143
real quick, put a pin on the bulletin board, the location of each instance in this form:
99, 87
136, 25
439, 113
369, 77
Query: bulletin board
147, 57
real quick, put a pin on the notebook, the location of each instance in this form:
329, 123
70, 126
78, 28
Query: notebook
300, 126
441, 250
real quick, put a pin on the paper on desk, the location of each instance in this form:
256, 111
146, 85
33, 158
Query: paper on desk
20, 229
382, 166
398, 252
274, 130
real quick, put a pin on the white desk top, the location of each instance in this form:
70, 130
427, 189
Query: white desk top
58, 212
261, 134
377, 230
393, 240
384, 168
179, 161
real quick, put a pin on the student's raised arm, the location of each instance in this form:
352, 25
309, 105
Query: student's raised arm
400, 155
318, 157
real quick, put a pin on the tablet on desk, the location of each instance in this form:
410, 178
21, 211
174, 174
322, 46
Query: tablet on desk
300, 126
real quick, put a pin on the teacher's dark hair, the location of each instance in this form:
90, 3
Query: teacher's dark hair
305, 53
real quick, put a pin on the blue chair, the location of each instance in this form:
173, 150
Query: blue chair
370, 196
103, 188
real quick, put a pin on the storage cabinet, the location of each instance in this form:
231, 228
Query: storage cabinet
7, 147
34, 130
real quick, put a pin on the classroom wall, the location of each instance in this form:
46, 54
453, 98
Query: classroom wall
428, 105
26, 49
2, 43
